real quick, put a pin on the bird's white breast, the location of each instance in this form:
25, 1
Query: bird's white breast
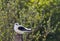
17, 31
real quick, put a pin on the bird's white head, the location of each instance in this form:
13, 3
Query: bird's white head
16, 24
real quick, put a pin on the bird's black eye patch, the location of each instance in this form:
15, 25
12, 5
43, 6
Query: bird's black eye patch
16, 24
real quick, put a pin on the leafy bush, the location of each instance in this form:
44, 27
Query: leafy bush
43, 16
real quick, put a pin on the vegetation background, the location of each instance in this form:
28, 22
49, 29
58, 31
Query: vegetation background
43, 16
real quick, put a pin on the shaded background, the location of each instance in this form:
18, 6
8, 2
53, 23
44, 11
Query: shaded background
43, 16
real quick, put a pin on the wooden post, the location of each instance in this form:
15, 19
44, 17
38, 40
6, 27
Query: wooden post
18, 37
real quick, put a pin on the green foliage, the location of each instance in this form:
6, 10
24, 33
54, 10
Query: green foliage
43, 16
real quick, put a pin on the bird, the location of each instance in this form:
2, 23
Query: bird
20, 29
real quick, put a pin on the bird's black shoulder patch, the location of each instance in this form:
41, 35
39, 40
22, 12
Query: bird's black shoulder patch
21, 28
